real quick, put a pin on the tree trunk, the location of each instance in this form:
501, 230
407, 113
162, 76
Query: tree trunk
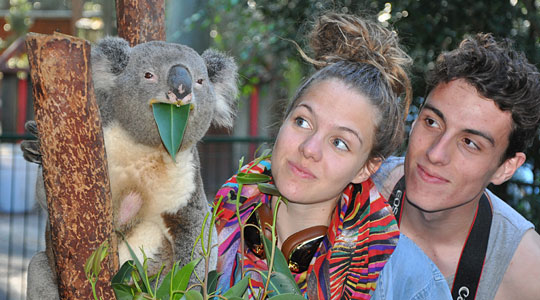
74, 162
141, 21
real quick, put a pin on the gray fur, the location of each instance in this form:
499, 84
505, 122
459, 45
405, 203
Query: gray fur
214, 101
123, 95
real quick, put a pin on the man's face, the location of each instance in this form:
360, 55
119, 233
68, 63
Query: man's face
455, 148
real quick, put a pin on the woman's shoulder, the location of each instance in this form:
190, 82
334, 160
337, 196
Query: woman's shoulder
388, 175
254, 167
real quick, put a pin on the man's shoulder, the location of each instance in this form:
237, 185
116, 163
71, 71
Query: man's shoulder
389, 173
410, 274
521, 277
506, 215
514, 250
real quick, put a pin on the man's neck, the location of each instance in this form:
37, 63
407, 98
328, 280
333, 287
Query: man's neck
441, 235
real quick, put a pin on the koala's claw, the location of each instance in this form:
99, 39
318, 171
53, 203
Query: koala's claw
30, 148
31, 126
30, 151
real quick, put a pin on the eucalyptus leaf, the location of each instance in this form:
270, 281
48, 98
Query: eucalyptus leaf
171, 121
162, 291
213, 277
192, 295
141, 296
124, 274
180, 280
123, 291
280, 263
280, 284
268, 188
89, 263
287, 297
238, 289
140, 269
249, 178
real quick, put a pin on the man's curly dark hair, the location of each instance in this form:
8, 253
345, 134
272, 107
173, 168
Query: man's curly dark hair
500, 73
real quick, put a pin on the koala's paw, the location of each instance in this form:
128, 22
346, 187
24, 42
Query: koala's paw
30, 148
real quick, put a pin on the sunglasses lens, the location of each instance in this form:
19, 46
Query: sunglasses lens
253, 238
302, 254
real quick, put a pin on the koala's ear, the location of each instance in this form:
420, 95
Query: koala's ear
223, 74
110, 57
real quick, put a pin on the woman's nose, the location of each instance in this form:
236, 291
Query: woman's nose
311, 147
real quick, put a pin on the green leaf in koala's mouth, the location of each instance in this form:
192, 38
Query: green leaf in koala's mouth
171, 121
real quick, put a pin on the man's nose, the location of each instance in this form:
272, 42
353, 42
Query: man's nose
440, 150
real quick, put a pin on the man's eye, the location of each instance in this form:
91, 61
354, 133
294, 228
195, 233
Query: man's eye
431, 123
469, 143
340, 144
301, 122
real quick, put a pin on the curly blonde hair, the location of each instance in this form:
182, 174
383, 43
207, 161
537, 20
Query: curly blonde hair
368, 58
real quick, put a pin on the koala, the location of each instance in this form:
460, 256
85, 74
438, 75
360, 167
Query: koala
158, 204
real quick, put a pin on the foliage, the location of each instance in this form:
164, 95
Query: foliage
257, 34
171, 120
132, 281
17, 21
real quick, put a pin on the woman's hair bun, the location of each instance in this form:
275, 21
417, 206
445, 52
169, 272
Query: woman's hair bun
336, 37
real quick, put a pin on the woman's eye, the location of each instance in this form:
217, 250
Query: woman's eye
301, 122
148, 75
340, 144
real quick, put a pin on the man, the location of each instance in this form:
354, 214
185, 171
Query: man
482, 112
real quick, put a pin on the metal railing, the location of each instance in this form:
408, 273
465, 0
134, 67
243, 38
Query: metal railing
22, 222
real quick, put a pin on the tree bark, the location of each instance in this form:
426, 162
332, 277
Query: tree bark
74, 162
141, 21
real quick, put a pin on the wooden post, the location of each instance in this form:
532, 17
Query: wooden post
141, 21
74, 163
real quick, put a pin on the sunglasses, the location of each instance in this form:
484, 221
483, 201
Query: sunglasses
298, 248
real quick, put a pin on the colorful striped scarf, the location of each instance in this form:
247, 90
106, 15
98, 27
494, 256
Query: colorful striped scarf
361, 236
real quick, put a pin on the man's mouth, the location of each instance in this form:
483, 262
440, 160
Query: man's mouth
430, 176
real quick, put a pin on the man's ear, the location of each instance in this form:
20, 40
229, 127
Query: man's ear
508, 168
367, 170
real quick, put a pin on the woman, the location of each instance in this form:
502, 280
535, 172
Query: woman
343, 121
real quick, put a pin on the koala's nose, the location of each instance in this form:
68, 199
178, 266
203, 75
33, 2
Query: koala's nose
179, 81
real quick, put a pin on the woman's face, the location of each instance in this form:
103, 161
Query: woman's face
324, 144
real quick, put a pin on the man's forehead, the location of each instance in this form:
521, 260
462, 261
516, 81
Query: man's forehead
461, 106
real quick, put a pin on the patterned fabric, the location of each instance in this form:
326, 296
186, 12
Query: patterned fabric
361, 237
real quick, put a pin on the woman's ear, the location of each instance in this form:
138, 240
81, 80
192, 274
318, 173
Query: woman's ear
367, 170
507, 169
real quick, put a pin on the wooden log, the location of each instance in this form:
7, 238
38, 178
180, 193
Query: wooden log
141, 21
74, 162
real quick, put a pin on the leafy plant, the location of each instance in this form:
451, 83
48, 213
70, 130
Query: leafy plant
171, 120
92, 267
132, 281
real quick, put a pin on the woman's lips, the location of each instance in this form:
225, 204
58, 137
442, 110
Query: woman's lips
300, 171
430, 177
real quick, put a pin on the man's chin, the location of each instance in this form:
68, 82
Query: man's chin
434, 209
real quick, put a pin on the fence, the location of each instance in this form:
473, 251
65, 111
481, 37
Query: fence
22, 222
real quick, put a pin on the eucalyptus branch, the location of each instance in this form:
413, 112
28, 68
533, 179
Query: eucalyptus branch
158, 275
274, 243
240, 186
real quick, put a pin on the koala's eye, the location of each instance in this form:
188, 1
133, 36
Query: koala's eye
200, 81
148, 75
